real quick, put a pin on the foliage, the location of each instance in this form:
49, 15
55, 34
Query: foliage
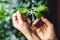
7, 8
36, 10
23, 10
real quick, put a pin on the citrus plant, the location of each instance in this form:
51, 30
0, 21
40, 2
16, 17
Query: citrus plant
8, 7
37, 10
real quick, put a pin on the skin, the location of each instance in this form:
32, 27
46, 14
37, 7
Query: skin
44, 32
22, 24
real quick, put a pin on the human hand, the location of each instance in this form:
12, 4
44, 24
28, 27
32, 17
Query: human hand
23, 24
45, 31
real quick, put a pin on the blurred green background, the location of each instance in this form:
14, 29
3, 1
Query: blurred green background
7, 8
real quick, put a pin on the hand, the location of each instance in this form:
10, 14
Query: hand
45, 31
23, 24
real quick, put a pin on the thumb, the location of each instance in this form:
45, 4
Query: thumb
47, 22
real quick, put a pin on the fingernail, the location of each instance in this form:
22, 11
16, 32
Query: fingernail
35, 21
42, 17
17, 12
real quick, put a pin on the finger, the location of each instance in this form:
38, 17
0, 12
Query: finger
39, 32
46, 21
33, 28
35, 22
14, 18
34, 25
19, 17
29, 21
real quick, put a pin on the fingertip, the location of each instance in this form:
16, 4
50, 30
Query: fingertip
42, 18
45, 20
14, 17
18, 14
36, 21
18, 11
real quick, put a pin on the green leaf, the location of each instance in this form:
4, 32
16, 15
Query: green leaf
23, 10
36, 9
2, 12
41, 8
37, 15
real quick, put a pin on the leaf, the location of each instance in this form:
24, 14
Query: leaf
2, 12
37, 15
13, 37
41, 8
36, 9
23, 10
2, 16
